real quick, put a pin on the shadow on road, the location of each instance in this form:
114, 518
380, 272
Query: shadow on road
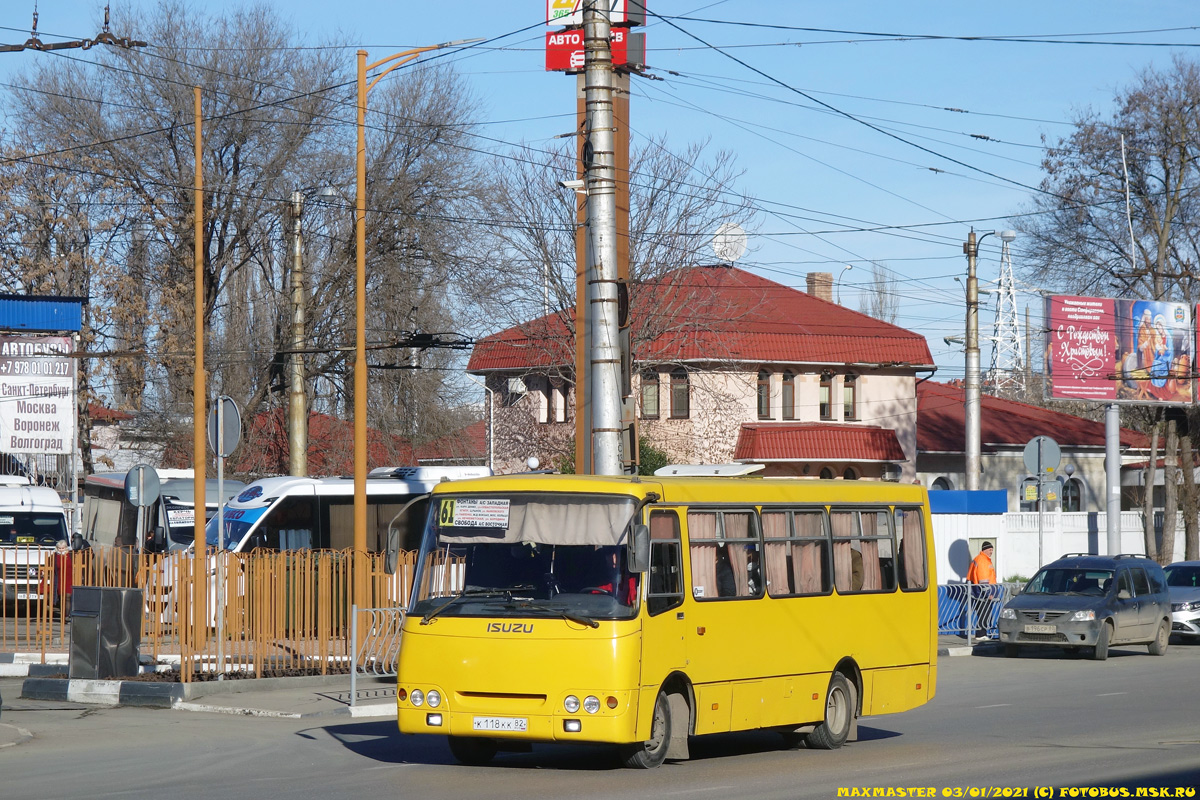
379, 741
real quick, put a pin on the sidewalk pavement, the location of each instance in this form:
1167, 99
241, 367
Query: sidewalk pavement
301, 697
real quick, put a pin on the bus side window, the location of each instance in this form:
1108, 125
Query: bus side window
724, 550
796, 552
863, 552
665, 590
289, 526
910, 561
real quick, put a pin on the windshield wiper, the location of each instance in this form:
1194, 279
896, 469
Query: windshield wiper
562, 612
473, 592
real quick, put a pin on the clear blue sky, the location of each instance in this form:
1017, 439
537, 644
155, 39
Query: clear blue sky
820, 177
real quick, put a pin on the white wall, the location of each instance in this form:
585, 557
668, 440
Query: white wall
1015, 536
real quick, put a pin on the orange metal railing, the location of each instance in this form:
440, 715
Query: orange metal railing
281, 613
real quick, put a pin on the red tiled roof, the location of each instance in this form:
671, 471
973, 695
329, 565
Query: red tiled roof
801, 441
100, 413
718, 313
941, 423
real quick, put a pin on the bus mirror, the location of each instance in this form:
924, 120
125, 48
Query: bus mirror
639, 549
392, 552
160, 537
392, 555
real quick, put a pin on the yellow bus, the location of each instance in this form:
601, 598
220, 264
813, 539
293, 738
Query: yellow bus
640, 612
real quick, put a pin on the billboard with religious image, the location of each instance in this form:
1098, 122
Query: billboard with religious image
1124, 351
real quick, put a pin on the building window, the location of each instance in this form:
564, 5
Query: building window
764, 394
650, 394
850, 474
512, 392
826, 474
788, 404
679, 394
942, 484
849, 399
1072, 495
826, 397
545, 396
562, 402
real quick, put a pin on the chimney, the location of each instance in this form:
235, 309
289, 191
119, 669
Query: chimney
820, 285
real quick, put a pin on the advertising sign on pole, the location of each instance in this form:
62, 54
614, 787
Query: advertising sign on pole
564, 49
1125, 351
620, 12
37, 394
1080, 348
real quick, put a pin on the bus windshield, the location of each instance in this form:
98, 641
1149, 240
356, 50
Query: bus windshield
238, 522
555, 556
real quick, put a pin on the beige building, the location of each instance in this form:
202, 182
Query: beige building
727, 366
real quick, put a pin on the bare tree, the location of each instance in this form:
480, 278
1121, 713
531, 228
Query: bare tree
880, 298
1081, 237
277, 118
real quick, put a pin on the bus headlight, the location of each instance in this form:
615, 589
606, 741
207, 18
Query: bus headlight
434, 698
417, 697
571, 704
591, 704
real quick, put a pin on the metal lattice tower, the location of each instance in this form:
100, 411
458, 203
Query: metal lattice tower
1007, 372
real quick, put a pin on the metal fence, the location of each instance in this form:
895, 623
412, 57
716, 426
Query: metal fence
280, 613
972, 609
378, 632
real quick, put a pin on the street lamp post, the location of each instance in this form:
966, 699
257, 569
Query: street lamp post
839, 282
360, 286
971, 409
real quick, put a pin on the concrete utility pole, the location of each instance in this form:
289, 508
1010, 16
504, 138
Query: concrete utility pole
601, 275
297, 396
971, 383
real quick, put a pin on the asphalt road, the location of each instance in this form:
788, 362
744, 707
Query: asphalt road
1037, 721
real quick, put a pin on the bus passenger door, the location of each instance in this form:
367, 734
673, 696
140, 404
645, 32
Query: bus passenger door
663, 624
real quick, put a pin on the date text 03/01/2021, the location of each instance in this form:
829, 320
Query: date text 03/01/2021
1043, 792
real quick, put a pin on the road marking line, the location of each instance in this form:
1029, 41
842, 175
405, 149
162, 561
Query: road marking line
997, 705
1111, 694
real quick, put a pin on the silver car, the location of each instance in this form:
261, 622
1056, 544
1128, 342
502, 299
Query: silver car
1087, 602
1183, 585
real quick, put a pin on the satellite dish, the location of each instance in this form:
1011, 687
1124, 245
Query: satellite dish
729, 242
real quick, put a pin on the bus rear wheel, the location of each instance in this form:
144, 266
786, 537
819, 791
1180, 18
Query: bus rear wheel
473, 751
839, 714
650, 753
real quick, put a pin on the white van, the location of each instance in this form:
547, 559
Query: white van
109, 520
290, 513
32, 523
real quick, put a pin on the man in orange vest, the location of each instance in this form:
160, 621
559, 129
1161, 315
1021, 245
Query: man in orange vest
982, 572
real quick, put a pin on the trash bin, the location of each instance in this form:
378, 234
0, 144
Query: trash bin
106, 631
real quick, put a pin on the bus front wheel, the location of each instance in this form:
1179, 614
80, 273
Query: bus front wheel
473, 751
839, 714
650, 753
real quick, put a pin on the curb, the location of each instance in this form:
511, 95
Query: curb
969, 650
180, 696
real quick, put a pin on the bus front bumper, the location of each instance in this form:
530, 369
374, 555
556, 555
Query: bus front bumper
615, 728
